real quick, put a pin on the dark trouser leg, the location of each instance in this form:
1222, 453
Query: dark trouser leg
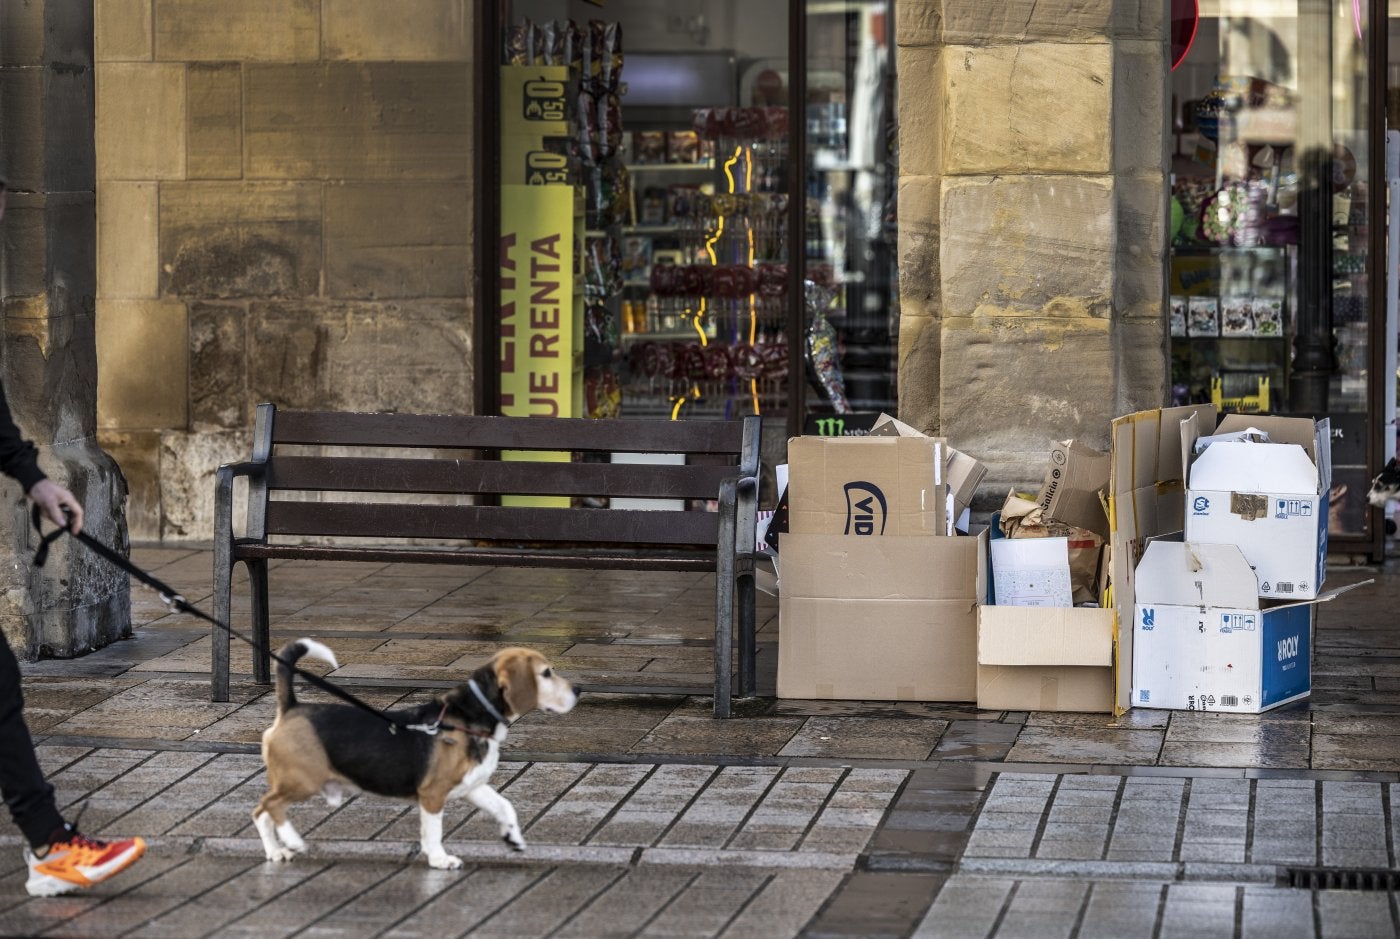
28, 796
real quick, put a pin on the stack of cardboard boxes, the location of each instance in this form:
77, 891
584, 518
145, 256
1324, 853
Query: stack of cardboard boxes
882, 596
1223, 620
878, 596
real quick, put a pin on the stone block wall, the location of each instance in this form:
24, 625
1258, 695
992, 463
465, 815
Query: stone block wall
1032, 241
77, 602
284, 208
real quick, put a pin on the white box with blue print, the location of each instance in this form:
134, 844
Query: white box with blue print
1270, 499
1203, 642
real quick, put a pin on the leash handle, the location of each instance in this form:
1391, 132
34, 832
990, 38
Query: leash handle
171, 598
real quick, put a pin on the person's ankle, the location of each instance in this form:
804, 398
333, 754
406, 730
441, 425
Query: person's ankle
59, 835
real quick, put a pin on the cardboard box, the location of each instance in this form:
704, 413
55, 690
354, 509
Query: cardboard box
1270, 499
1045, 659
1203, 643
1147, 498
1074, 487
965, 473
1034, 654
889, 619
867, 486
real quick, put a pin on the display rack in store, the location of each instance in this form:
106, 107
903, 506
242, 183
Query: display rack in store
704, 307
1230, 322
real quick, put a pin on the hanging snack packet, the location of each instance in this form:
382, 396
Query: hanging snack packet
611, 71
823, 357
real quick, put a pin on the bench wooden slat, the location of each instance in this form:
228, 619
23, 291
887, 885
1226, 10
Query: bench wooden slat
438, 431
491, 523
653, 559
371, 474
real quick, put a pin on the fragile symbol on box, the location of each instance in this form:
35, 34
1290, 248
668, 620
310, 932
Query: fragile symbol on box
1293, 508
1233, 622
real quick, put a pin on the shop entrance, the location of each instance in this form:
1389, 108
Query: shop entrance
689, 227
1279, 270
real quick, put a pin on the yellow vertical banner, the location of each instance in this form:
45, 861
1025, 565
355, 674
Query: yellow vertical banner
538, 315
537, 301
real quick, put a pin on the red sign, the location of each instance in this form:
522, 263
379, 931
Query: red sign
1186, 17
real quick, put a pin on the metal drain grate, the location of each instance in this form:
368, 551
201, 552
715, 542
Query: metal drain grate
1339, 878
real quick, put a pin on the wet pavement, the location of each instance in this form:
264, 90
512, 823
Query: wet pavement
647, 817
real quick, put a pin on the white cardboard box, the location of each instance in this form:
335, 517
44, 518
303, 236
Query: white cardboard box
1147, 489
1031, 572
1268, 498
1201, 641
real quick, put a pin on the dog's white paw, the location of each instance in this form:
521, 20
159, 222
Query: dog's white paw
278, 855
512, 837
289, 837
445, 861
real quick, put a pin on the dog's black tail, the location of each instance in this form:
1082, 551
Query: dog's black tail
290, 654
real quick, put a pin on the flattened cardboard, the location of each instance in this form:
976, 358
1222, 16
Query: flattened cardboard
1074, 481
1270, 499
890, 618
1147, 474
1202, 641
965, 473
868, 486
1045, 659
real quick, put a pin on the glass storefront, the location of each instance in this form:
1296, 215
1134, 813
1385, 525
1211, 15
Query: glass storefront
689, 227
1277, 220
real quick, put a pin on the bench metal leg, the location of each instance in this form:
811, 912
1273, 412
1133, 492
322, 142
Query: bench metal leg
724, 642
219, 639
748, 643
262, 637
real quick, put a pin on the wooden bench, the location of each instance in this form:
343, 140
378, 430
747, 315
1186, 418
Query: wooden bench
296, 493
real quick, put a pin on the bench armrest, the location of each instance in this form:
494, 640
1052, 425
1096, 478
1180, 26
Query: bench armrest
224, 476
246, 468
738, 498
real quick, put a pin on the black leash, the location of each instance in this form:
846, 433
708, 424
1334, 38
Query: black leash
179, 604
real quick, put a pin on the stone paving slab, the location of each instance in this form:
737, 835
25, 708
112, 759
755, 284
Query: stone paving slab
647, 817
1044, 819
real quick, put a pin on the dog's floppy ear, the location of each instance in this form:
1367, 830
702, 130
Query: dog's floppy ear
515, 672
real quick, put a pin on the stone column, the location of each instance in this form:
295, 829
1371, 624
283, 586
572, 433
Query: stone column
1033, 194
48, 364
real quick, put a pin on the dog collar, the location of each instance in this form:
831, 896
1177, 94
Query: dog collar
440, 724
490, 708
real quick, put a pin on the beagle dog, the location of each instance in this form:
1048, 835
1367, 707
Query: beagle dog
445, 748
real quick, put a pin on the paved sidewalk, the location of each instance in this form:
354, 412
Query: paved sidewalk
647, 817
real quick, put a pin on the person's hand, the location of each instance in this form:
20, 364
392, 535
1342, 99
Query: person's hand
53, 499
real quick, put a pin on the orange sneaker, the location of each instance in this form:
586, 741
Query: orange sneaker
78, 862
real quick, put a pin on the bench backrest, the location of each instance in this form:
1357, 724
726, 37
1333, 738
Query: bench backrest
471, 466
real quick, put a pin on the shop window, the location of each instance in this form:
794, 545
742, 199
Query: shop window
689, 227
1276, 221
